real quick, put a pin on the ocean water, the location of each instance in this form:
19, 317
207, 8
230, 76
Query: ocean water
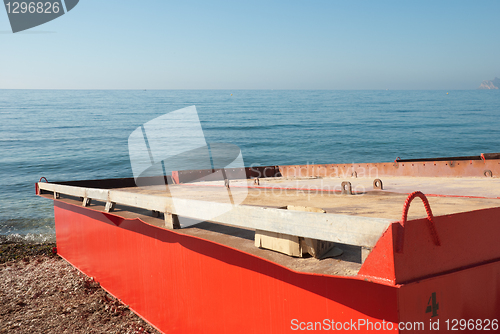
76, 135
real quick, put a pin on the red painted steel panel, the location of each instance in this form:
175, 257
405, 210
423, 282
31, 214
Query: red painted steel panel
471, 294
183, 284
467, 239
380, 263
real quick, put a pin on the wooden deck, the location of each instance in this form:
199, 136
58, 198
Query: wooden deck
354, 221
445, 195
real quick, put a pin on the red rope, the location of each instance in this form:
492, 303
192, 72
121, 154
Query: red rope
43, 178
430, 220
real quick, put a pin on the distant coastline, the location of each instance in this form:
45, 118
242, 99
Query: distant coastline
490, 84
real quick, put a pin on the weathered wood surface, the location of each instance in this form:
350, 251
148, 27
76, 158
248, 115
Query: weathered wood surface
353, 230
446, 186
352, 219
375, 203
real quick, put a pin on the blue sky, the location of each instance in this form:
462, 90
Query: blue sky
257, 45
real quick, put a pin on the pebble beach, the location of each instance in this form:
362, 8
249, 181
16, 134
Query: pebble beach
42, 293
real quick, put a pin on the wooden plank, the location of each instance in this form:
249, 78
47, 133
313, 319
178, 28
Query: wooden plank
143, 201
97, 194
304, 208
278, 242
86, 201
110, 207
171, 221
353, 230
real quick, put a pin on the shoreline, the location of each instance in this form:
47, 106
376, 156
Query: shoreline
42, 293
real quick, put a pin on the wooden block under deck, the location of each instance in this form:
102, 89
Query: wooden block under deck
290, 244
110, 206
315, 247
172, 221
279, 242
86, 201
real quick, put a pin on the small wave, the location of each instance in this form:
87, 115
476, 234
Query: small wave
252, 127
29, 238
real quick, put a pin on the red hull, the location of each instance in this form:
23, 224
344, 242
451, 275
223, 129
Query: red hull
184, 284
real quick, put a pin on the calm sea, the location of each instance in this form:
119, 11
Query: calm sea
77, 135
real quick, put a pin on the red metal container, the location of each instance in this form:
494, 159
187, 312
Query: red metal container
182, 283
